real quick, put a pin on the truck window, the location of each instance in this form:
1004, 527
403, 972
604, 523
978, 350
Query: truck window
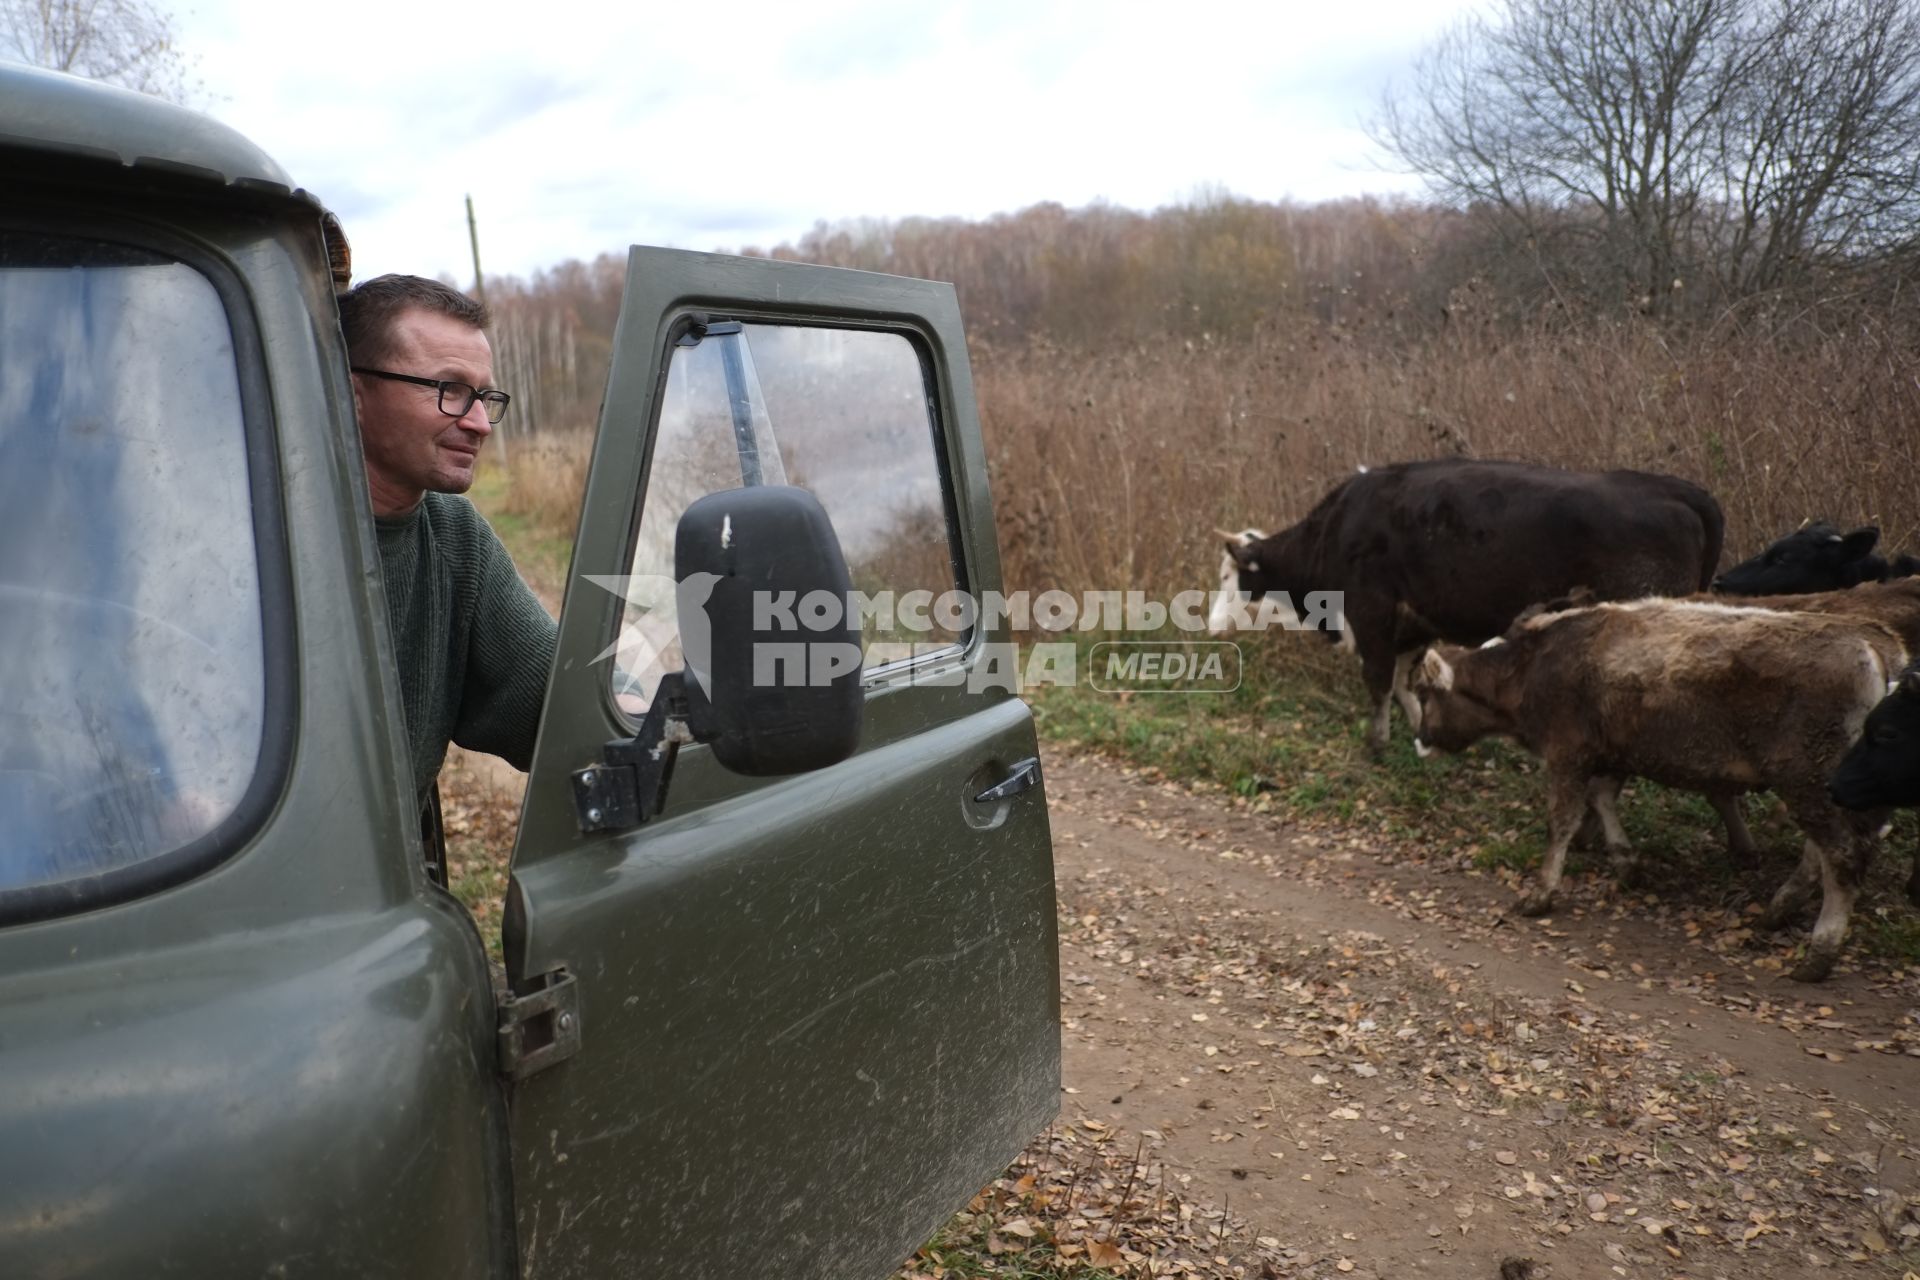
844, 413
131, 668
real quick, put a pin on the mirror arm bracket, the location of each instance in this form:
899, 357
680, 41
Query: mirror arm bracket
628, 785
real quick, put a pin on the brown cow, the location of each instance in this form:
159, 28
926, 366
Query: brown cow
1894, 604
1712, 698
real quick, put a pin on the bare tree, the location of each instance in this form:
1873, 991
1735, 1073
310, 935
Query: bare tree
1636, 148
123, 42
1818, 146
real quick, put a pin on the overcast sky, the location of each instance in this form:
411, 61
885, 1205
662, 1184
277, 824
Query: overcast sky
580, 128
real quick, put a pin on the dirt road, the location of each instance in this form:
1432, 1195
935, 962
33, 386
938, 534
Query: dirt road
1384, 1074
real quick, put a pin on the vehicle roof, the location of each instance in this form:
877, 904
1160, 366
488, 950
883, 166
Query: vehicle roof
49, 111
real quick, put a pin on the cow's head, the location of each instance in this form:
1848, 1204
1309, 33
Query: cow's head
1254, 595
1883, 767
1240, 579
1816, 558
1452, 716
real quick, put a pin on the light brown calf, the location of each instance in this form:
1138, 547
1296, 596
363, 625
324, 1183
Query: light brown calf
1705, 697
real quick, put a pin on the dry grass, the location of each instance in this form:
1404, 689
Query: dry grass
1111, 464
1110, 468
546, 476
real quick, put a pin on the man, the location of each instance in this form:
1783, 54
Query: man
474, 644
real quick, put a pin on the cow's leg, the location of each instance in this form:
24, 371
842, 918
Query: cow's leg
1369, 622
1740, 847
1566, 806
1843, 844
1592, 835
1793, 893
1913, 879
1380, 726
1603, 795
1403, 686
1377, 669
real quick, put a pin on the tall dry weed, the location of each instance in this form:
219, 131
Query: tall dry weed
546, 480
1110, 468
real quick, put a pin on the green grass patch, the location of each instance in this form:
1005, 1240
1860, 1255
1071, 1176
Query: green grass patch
538, 535
541, 555
1291, 739
1892, 933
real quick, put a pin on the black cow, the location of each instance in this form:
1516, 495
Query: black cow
1883, 768
1817, 557
1453, 549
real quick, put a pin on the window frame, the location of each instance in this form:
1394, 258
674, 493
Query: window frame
901, 672
279, 711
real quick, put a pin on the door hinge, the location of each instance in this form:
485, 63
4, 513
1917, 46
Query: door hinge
540, 1027
628, 784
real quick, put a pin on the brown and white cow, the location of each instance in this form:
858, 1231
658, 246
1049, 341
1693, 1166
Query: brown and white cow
1895, 604
1454, 549
1706, 697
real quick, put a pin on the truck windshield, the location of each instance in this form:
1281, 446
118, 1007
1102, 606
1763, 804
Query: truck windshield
131, 670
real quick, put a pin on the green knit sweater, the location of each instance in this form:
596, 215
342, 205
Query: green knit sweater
474, 643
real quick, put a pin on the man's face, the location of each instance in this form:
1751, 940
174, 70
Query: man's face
411, 447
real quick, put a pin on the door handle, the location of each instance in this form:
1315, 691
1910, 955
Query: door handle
1022, 777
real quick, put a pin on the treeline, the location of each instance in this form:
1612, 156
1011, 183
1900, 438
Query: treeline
1087, 279
1093, 277
1145, 377
1218, 267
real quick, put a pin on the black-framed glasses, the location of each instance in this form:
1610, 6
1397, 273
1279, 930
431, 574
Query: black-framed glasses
455, 397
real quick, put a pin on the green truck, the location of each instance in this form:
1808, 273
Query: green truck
781, 980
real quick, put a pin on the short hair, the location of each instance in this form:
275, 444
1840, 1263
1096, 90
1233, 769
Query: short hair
368, 311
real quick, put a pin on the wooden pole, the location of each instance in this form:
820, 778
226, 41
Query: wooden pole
473, 237
480, 296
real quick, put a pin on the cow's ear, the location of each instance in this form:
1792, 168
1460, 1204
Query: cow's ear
1860, 542
1435, 671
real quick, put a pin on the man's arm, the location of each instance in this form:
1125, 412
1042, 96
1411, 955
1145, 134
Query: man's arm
509, 655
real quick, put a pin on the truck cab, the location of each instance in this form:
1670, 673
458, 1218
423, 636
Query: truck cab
781, 985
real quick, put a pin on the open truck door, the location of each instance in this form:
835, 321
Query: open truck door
781, 927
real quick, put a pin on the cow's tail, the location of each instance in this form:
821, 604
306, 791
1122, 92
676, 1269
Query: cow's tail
1713, 522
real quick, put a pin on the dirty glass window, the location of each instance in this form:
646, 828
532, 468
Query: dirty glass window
131, 672
843, 413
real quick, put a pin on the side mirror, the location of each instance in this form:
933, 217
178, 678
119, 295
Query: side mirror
772, 679
780, 682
